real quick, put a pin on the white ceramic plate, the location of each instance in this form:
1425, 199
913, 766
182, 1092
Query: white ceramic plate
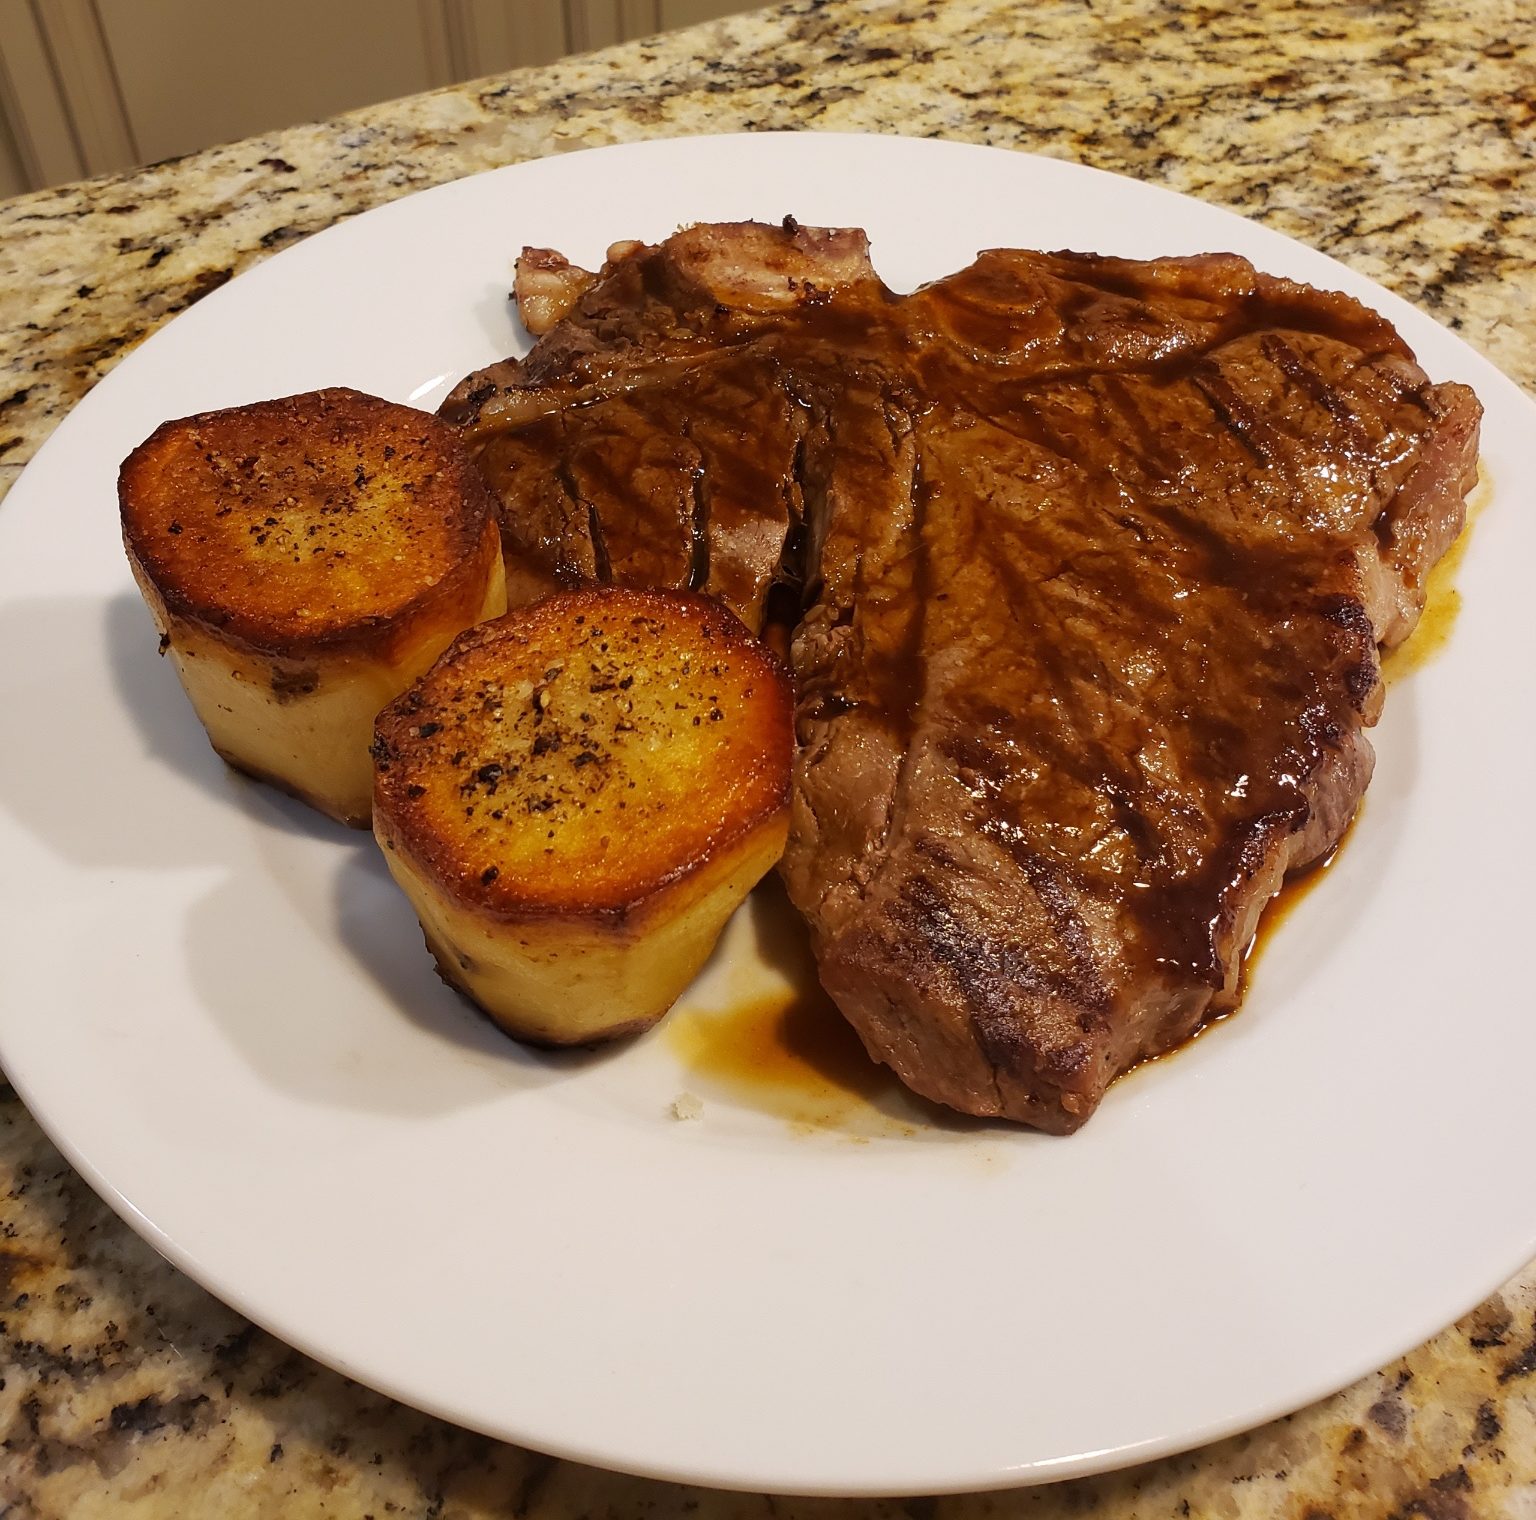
220, 1010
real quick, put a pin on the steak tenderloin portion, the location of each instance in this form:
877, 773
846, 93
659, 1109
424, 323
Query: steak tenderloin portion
1088, 563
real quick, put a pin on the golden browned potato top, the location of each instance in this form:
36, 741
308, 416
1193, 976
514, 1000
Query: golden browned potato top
301, 520
580, 753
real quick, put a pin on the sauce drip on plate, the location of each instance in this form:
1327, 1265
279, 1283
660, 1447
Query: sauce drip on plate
1442, 598
774, 1043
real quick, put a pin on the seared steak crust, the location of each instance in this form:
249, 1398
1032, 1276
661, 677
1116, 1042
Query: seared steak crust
1088, 563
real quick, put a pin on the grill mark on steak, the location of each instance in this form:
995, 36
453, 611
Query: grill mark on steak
1299, 372
1087, 562
1232, 414
786, 598
899, 674
1052, 887
698, 532
1149, 454
568, 568
602, 566
905, 673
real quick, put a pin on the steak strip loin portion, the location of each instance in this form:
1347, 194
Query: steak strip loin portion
1087, 561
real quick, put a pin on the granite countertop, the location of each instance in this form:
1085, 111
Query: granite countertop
1399, 138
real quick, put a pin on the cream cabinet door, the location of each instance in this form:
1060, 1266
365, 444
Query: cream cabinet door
13, 173
191, 72
88, 86
676, 13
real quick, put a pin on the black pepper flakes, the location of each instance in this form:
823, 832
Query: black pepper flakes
488, 875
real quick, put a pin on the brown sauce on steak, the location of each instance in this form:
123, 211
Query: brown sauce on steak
1294, 890
1088, 563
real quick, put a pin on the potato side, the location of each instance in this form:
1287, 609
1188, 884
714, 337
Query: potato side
304, 561
577, 797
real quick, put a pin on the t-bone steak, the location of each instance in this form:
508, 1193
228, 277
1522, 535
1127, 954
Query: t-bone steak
1088, 564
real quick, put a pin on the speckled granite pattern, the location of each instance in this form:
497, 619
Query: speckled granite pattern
1398, 137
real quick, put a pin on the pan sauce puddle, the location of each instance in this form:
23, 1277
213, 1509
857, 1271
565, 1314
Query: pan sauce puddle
777, 1044
789, 1054
773, 1042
